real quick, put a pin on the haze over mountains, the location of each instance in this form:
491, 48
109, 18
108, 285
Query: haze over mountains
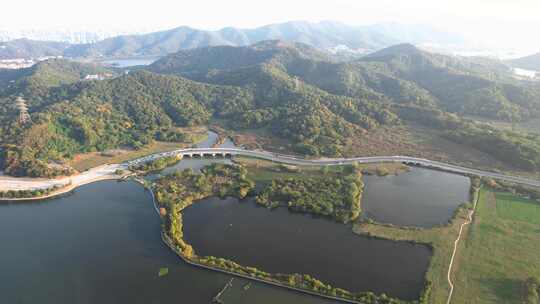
531, 62
65, 35
323, 35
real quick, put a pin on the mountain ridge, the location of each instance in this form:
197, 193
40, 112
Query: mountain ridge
322, 35
531, 62
402, 73
289, 90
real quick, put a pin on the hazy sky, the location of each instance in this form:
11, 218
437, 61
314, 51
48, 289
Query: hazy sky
516, 22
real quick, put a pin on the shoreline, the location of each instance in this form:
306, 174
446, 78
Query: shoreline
168, 243
108, 171
164, 238
68, 183
65, 190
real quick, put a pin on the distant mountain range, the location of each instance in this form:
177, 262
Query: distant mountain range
65, 35
326, 35
30, 49
531, 62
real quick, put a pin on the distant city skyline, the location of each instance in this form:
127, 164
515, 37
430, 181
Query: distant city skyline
493, 23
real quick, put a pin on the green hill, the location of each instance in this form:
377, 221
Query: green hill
26, 48
413, 84
289, 89
402, 74
134, 109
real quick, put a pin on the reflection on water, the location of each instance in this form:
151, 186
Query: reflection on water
99, 245
198, 163
283, 242
420, 197
209, 141
194, 163
102, 245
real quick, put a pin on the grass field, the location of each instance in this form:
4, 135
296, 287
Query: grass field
517, 209
265, 171
500, 250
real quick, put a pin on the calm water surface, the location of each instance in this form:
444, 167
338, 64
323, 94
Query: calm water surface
283, 242
198, 163
102, 245
420, 197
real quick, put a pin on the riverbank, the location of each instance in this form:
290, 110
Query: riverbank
186, 188
12, 183
440, 238
169, 244
66, 184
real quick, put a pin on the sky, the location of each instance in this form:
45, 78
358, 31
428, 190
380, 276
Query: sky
490, 22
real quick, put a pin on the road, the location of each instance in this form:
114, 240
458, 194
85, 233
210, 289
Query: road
92, 175
287, 159
101, 172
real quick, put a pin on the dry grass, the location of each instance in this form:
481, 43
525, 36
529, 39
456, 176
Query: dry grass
532, 125
264, 170
85, 161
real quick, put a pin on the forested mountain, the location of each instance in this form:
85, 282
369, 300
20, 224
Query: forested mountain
290, 89
36, 81
531, 62
322, 35
25, 48
97, 115
411, 83
402, 73
134, 109
462, 85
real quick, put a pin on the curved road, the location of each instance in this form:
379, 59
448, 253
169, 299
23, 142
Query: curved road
107, 171
287, 159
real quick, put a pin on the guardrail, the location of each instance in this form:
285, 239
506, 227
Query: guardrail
336, 161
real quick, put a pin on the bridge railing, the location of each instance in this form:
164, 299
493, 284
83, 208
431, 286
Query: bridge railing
335, 161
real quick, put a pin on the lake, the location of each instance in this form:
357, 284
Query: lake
420, 197
102, 245
279, 241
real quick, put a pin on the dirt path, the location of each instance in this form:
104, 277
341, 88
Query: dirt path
456, 242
